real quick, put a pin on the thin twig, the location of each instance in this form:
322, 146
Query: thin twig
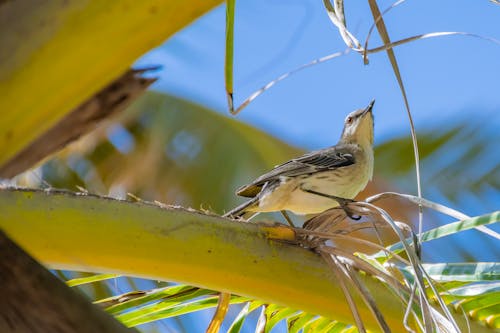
434, 206
339, 271
384, 35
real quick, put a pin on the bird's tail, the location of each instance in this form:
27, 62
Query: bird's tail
241, 211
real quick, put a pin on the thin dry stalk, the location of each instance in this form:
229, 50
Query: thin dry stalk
343, 279
326, 227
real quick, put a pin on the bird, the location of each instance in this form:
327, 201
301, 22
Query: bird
318, 180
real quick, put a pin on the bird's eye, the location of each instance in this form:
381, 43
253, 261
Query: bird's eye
349, 120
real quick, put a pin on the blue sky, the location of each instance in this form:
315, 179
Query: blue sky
444, 76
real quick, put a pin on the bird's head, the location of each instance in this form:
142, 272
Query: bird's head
358, 127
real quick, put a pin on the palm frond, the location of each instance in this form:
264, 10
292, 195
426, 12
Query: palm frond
90, 279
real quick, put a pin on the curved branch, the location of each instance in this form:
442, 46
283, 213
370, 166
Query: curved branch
89, 233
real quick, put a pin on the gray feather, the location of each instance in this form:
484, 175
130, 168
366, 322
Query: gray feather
321, 160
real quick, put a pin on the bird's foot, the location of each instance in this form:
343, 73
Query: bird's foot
343, 202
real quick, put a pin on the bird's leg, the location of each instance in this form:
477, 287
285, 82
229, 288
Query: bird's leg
341, 201
287, 218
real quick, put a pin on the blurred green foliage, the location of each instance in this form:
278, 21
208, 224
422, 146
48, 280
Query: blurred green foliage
171, 150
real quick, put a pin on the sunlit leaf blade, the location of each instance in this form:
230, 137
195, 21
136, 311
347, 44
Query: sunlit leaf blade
164, 304
480, 302
42, 59
299, 321
433, 206
238, 322
317, 325
448, 286
229, 55
275, 314
173, 294
452, 228
176, 310
475, 289
470, 272
336, 327
184, 308
484, 313
494, 320
330, 327
90, 279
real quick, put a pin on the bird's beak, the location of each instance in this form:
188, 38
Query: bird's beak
368, 108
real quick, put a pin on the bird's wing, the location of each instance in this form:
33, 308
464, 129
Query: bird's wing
316, 161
